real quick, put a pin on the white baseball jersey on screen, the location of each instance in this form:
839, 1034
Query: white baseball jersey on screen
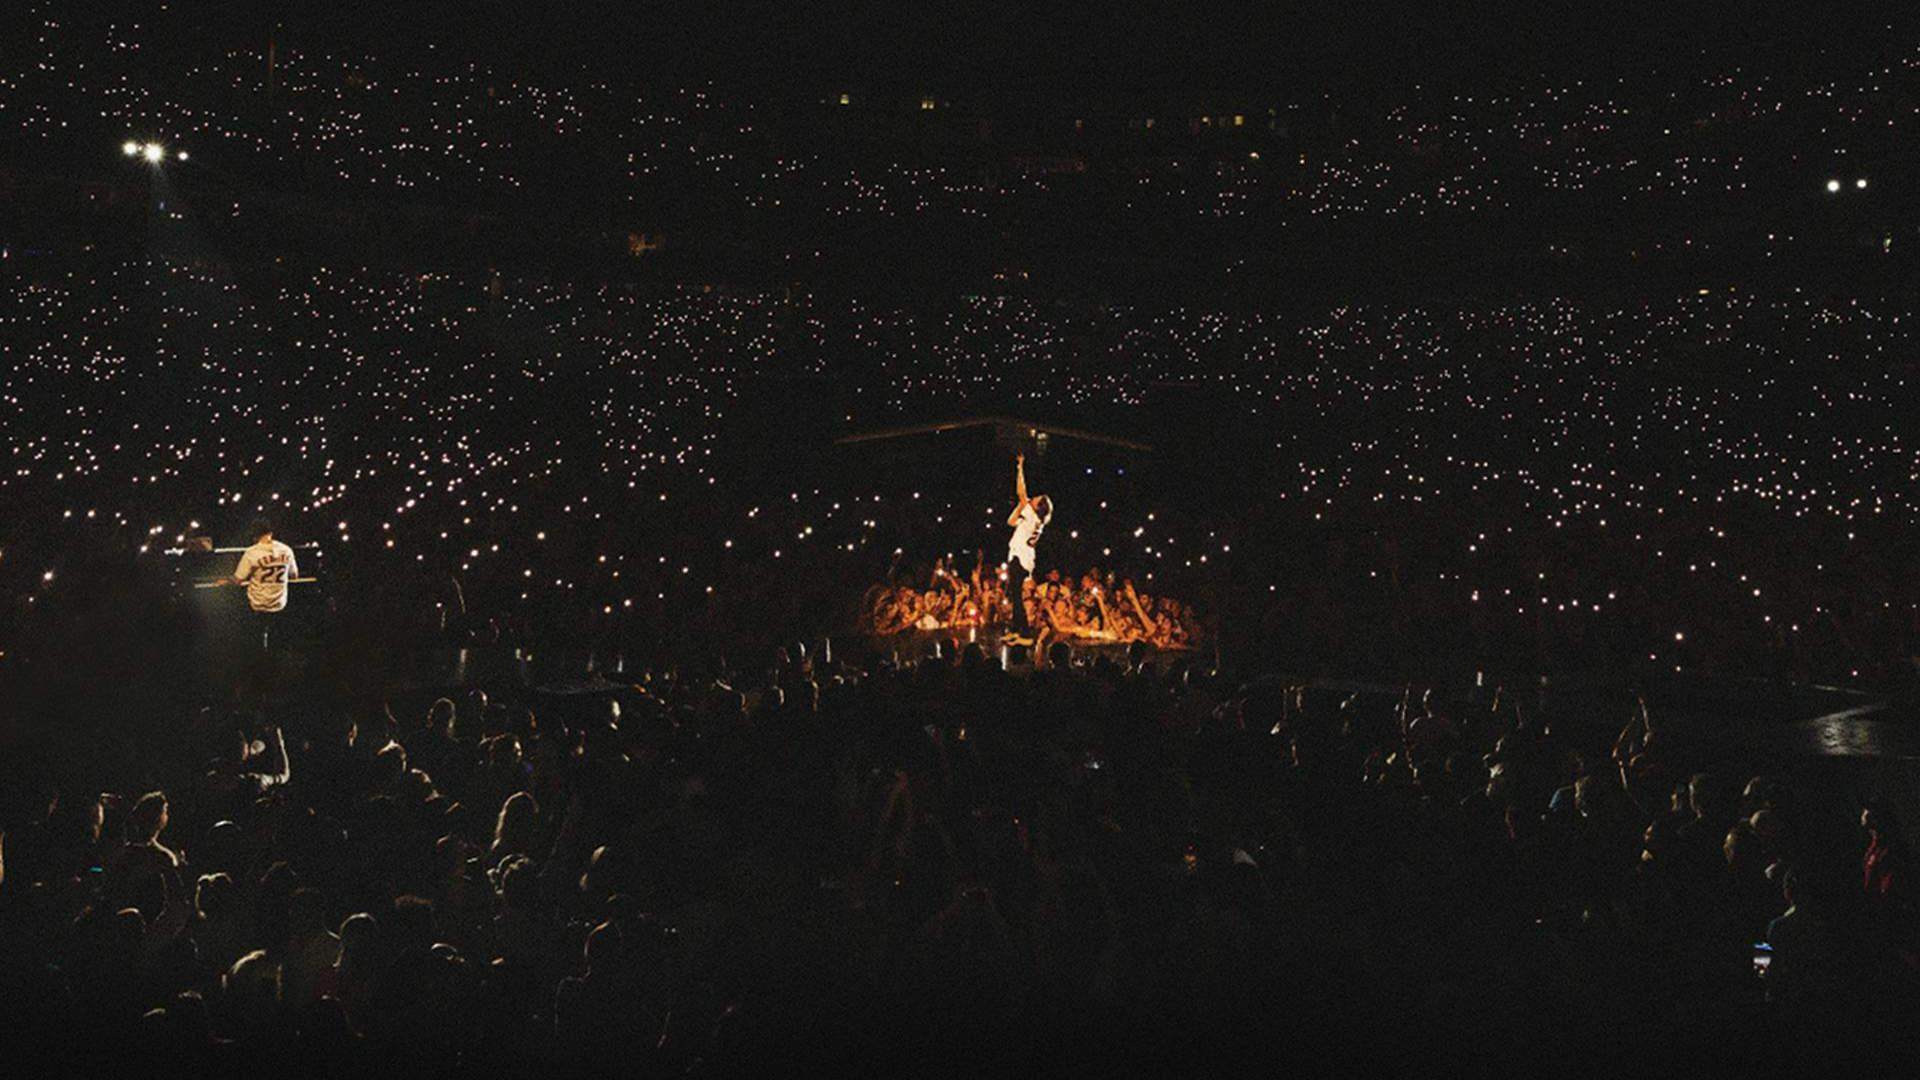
266, 568
1026, 536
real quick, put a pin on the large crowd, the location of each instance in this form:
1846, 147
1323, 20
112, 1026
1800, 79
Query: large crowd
1648, 165
922, 866
764, 839
1717, 483
1613, 471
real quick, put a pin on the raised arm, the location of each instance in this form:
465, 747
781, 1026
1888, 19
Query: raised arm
281, 769
1146, 621
1019, 488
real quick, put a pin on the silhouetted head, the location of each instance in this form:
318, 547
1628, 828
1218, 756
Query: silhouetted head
252, 987
974, 659
519, 815
148, 819
603, 946
359, 938
214, 895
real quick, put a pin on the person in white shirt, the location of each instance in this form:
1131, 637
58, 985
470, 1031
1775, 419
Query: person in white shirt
1029, 519
266, 569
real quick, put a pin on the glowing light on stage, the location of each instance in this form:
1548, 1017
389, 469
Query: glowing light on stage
1833, 186
153, 152
130, 148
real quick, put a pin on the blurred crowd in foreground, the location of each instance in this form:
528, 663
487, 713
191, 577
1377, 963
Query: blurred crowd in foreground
924, 866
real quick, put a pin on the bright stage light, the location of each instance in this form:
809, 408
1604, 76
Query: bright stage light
154, 152
1860, 183
1833, 185
130, 148
182, 155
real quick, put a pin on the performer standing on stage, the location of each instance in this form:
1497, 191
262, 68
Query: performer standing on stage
265, 569
1029, 518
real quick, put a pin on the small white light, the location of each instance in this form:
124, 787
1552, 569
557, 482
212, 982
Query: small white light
182, 155
1861, 183
154, 152
130, 148
1833, 185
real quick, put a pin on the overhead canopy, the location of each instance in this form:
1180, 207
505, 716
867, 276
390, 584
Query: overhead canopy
1007, 427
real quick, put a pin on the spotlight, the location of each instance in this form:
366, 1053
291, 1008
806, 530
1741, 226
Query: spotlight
1860, 183
1833, 186
153, 153
182, 155
130, 148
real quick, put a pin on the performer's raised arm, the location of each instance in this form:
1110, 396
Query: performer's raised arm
1019, 488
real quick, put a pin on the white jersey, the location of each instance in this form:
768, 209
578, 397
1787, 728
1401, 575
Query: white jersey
266, 569
1026, 536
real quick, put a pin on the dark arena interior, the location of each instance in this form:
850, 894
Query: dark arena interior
616, 539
